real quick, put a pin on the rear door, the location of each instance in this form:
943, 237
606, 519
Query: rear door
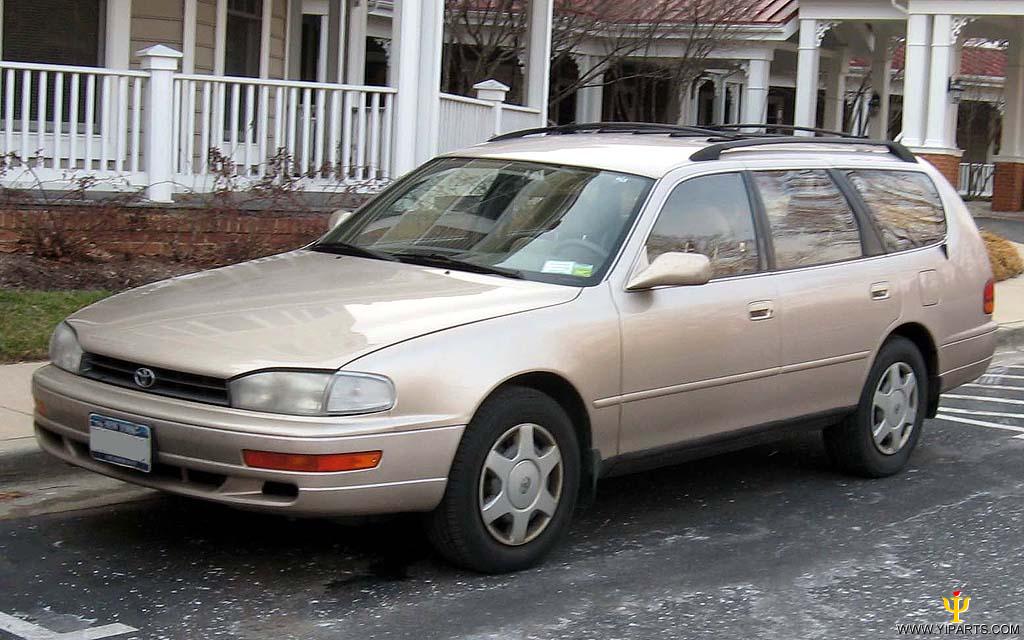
837, 292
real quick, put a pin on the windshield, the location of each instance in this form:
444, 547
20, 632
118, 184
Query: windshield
537, 221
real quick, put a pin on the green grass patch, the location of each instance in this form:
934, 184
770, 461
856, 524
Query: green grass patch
27, 319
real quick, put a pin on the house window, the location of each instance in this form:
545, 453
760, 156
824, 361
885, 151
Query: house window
52, 31
244, 31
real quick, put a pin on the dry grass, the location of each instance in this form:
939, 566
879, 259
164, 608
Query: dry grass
1003, 254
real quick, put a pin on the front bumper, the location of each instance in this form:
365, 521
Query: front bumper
198, 450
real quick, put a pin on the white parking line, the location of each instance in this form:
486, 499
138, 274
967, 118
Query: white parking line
981, 423
28, 631
1002, 375
993, 414
993, 386
954, 396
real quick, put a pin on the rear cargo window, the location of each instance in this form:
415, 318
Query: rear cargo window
904, 204
811, 222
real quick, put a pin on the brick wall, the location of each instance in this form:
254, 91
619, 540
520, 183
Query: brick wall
948, 166
1008, 187
154, 231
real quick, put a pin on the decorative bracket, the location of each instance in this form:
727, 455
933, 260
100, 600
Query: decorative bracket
959, 22
821, 29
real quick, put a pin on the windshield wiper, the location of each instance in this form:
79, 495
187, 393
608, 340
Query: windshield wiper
345, 249
434, 259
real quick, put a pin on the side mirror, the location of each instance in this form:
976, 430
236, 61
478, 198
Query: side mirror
673, 269
339, 216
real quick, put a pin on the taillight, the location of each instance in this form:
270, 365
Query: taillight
989, 299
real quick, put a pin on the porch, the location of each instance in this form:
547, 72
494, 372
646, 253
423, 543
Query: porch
242, 94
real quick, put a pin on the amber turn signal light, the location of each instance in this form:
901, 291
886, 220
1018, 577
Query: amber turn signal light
988, 304
308, 462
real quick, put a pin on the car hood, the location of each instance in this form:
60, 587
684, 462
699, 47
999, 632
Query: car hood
297, 309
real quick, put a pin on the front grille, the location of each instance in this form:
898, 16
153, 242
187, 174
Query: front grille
175, 384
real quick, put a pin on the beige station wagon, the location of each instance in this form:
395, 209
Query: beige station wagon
505, 325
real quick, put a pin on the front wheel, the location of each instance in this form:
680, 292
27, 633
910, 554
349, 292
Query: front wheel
877, 440
512, 486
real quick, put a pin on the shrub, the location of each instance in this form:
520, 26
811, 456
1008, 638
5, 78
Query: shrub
1003, 254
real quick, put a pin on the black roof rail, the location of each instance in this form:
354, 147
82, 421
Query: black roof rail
615, 127
785, 127
714, 151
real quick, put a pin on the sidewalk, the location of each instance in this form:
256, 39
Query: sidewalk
16, 407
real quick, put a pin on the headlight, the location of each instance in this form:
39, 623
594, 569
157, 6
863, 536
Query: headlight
64, 349
313, 394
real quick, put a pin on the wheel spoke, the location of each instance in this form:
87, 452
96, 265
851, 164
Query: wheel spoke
525, 442
547, 503
499, 464
880, 429
547, 462
496, 508
520, 523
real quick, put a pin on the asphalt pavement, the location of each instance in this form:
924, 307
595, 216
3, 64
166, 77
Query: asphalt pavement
770, 542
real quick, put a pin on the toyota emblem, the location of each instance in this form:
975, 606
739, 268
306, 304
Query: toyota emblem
145, 378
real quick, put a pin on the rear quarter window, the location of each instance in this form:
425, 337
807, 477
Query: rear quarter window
905, 206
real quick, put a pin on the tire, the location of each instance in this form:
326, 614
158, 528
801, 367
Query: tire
852, 443
512, 490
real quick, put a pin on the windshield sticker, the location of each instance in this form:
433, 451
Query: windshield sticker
568, 268
564, 267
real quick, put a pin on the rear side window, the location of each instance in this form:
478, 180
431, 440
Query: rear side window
709, 215
904, 204
811, 221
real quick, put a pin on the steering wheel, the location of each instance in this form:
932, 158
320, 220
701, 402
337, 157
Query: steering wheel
600, 252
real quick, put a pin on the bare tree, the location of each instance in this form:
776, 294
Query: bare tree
634, 44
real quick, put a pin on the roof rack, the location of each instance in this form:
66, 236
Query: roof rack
714, 151
617, 127
784, 127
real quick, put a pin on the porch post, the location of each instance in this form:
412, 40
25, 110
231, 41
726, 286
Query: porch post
157, 135
1008, 184
336, 39
119, 34
188, 36
293, 41
220, 37
881, 84
835, 90
589, 100
807, 74
418, 30
938, 85
355, 64
718, 108
755, 92
915, 81
265, 23
538, 55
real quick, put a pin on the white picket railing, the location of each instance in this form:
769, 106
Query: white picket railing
62, 123
976, 179
468, 121
321, 133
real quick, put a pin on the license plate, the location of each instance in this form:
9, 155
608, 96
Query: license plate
120, 442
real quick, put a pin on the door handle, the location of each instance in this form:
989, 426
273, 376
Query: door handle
761, 310
880, 291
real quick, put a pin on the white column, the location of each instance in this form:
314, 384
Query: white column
418, 29
915, 79
355, 64
938, 83
718, 107
428, 92
953, 110
157, 135
118, 45
807, 75
265, 23
293, 40
1012, 141
336, 40
589, 99
220, 37
835, 90
733, 90
755, 92
538, 55
881, 84
188, 36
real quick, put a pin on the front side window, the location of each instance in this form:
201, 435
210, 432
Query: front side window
904, 204
242, 41
537, 221
811, 221
709, 215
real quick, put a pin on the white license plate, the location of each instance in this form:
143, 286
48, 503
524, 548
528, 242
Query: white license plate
121, 442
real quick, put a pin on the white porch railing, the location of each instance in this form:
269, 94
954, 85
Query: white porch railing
976, 179
468, 121
63, 123
245, 129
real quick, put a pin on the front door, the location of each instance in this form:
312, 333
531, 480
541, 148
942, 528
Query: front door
698, 361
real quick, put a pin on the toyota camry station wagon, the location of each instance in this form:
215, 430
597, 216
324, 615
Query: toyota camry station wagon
500, 328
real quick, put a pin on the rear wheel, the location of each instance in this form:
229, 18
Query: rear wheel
877, 439
512, 486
